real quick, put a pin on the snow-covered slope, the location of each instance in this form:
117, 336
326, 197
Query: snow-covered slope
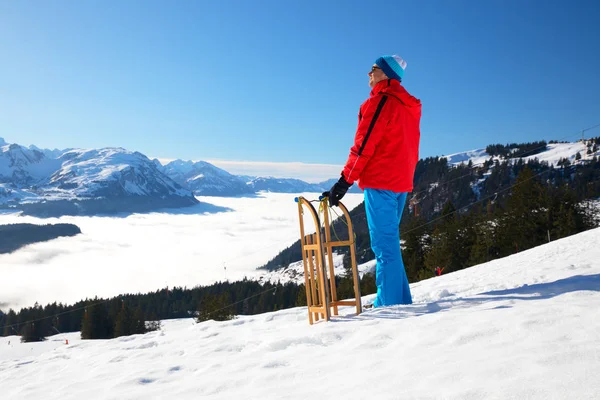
557, 151
523, 327
553, 153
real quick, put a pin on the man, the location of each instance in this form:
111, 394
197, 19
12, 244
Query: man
383, 161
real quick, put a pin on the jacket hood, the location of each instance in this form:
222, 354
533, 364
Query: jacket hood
393, 88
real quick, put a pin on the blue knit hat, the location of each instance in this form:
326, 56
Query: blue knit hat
392, 66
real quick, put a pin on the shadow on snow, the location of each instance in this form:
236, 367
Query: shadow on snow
538, 291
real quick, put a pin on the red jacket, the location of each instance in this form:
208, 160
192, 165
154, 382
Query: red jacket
386, 145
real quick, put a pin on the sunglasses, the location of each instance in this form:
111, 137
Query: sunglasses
374, 68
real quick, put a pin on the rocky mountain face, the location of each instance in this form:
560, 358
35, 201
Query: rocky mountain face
84, 182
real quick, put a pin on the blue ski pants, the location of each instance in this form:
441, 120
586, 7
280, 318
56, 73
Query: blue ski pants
384, 211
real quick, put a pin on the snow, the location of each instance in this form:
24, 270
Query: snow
295, 271
78, 174
16, 158
8, 193
523, 327
552, 155
86, 169
222, 238
556, 151
478, 157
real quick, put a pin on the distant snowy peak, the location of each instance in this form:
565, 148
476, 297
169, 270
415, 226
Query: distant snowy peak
84, 182
22, 166
205, 179
111, 172
49, 153
2, 142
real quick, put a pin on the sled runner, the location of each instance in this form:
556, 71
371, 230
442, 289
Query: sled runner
317, 257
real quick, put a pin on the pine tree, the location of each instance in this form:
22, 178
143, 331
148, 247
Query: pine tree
525, 223
124, 322
36, 327
368, 284
216, 307
86, 326
439, 254
138, 323
446, 248
301, 296
29, 333
9, 324
566, 216
96, 323
416, 236
485, 246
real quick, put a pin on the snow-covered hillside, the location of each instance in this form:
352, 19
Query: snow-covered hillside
523, 327
553, 153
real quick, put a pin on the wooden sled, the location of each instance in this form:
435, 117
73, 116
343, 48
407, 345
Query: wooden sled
317, 257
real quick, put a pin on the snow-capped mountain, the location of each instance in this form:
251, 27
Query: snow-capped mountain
84, 182
205, 179
109, 172
22, 166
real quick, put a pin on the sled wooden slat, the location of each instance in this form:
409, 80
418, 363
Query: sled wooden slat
341, 243
344, 303
317, 259
311, 247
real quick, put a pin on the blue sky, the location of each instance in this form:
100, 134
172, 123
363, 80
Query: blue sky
281, 81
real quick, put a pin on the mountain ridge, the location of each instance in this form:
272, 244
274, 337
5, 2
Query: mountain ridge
54, 182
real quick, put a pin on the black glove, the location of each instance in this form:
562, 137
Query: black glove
337, 191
